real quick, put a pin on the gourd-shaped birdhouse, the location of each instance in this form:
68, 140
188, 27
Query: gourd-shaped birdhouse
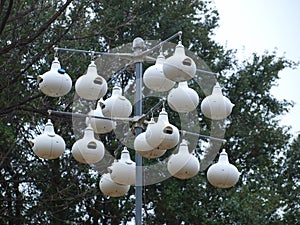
117, 105
100, 125
88, 150
56, 82
140, 142
179, 67
162, 135
223, 174
110, 188
123, 170
91, 86
183, 99
152, 154
143, 148
154, 77
183, 165
48, 145
216, 106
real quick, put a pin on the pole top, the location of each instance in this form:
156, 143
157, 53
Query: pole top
138, 45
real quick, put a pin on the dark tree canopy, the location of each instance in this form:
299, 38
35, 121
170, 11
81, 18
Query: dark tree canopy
62, 191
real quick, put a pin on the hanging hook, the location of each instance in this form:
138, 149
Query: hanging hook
89, 121
183, 133
161, 49
92, 55
215, 75
164, 105
152, 114
163, 102
55, 52
180, 36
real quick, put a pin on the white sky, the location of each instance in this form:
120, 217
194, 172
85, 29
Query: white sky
260, 25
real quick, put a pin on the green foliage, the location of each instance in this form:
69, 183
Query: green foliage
291, 187
61, 191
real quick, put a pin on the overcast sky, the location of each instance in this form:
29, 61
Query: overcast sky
260, 25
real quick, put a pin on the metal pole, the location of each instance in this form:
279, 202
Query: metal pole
138, 158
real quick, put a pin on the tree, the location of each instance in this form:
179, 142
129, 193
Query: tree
36, 191
290, 189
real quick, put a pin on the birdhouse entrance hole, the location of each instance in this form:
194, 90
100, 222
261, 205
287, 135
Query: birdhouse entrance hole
168, 130
98, 81
187, 62
92, 145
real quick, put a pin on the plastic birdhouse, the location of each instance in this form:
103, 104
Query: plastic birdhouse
216, 106
110, 188
56, 82
183, 165
162, 135
123, 170
117, 105
143, 148
179, 67
154, 77
100, 126
152, 154
183, 99
91, 86
223, 174
48, 145
88, 150
140, 142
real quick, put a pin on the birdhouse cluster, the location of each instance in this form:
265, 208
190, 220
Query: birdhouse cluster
170, 75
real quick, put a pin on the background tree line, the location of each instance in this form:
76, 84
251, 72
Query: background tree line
36, 191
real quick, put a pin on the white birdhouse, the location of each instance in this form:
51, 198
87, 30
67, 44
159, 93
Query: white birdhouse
117, 105
48, 145
162, 135
216, 106
100, 126
183, 165
143, 148
179, 67
123, 170
141, 144
91, 86
183, 99
88, 150
56, 82
154, 77
152, 154
110, 188
223, 174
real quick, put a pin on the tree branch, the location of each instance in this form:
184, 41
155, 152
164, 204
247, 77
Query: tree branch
25, 41
19, 104
35, 59
3, 23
